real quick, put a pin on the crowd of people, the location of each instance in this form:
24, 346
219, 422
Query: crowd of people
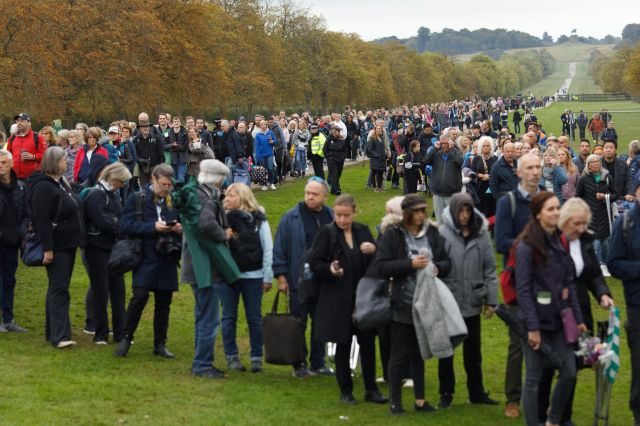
182, 192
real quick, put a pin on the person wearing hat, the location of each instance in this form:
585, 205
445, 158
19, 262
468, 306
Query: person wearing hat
150, 149
26, 147
402, 250
335, 151
315, 150
623, 263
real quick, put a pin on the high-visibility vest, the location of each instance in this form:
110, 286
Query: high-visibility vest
317, 143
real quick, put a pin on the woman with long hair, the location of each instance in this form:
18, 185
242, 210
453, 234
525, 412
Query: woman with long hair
375, 150
252, 248
545, 285
566, 162
482, 165
48, 134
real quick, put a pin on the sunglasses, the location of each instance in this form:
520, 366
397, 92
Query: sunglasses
315, 179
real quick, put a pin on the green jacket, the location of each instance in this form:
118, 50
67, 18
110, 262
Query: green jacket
204, 251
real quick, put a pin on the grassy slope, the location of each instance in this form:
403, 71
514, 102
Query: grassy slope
42, 385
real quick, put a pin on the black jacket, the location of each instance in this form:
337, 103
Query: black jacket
103, 210
206, 138
179, 154
587, 189
503, 178
447, 174
149, 149
231, 146
335, 149
619, 175
393, 261
19, 207
57, 213
246, 143
336, 296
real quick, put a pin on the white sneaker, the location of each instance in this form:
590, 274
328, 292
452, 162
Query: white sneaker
273, 187
265, 188
605, 270
65, 344
408, 383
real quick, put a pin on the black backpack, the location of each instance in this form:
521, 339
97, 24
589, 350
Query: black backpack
36, 140
245, 246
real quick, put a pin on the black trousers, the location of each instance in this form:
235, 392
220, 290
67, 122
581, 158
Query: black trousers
160, 313
411, 182
366, 340
318, 165
516, 127
582, 131
335, 172
384, 340
104, 286
405, 349
58, 325
377, 178
472, 356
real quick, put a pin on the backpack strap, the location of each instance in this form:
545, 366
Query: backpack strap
140, 200
513, 203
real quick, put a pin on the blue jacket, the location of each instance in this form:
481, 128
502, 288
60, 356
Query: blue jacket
624, 258
263, 147
155, 271
555, 274
289, 246
503, 178
508, 225
559, 177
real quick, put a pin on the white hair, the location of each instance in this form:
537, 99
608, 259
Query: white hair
481, 142
6, 153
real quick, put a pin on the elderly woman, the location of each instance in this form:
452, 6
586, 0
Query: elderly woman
402, 250
575, 216
252, 249
102, 217
593, 187
212, 226
157, 271
482, 165
553, 175
57, 218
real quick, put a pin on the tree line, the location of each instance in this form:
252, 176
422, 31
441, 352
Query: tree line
87, 59
618, 72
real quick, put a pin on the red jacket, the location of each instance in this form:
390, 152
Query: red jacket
81, 156
24, 168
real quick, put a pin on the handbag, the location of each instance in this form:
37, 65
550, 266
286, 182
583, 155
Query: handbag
569, 326
126, 254
259, 175
32, 250
373, 304
283, 336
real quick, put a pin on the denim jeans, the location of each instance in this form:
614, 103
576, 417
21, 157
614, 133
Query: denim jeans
536, 364
267, 163
601, 248
8, 267
180, 171
251, 291
300, 160
632, 326
207, 321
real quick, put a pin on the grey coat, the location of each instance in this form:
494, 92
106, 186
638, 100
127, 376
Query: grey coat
472, 280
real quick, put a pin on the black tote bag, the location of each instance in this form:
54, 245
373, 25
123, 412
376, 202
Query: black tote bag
283, 336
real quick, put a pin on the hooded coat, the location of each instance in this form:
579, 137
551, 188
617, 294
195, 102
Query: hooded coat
587, 190
472, 279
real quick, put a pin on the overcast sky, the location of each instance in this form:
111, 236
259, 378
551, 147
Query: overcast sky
379, 18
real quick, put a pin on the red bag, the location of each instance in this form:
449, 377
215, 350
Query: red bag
508, 278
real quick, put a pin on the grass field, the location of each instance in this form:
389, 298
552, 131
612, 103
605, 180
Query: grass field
88, 386
625, 114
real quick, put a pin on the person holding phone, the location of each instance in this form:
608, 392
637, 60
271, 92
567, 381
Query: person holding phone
339, 257
402, 250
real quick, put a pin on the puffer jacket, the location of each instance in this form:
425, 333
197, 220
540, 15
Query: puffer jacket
376, 153
472, 280
558, 177
587, 189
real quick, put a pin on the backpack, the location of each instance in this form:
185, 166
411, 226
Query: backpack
508, 277
245, 246
36, 140
308, 287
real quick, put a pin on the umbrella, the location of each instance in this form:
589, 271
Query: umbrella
517, 326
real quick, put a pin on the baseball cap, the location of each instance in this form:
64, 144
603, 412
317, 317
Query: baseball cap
114, 129
23, 116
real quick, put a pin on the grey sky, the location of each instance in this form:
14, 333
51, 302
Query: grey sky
379, 18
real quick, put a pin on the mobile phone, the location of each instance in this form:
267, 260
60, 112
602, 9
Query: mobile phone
171, 222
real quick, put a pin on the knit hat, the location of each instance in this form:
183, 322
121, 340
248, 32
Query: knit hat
413, 202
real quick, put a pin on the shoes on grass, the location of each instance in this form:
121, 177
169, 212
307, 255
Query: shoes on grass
375, 397
256, 366
209, 373
65, 344
484, 400
347, 398
512, 409
301, 373
424, 408
322, 371
233, 363
14, 328
446, 399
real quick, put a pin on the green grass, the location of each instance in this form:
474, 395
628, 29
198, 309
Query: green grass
566, 52
87, 385
625, 114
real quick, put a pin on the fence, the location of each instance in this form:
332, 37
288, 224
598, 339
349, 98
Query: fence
597, 97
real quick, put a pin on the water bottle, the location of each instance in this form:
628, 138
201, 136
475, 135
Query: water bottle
308, 275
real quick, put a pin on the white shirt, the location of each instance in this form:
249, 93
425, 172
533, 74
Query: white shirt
343, 128
576, 254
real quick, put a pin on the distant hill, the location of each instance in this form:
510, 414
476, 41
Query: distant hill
492, 43
565, 52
